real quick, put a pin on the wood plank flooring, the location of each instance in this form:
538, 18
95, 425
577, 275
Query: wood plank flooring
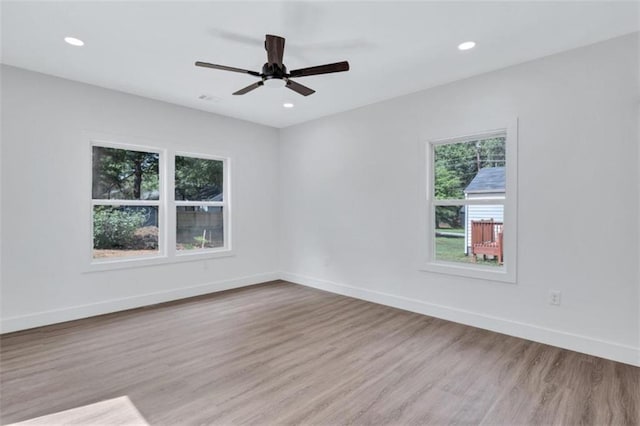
284, 354
117, 411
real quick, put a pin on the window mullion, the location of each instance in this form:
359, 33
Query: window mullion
125, 202
171, 204
200, 203
470, 202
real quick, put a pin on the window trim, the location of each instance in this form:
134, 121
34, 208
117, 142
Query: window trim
167, 252
507, 273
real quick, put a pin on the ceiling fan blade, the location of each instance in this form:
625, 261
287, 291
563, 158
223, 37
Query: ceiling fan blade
299, 88
275, 49
226, 68
249, 88
320, 69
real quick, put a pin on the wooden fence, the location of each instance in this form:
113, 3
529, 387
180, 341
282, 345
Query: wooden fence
192, 225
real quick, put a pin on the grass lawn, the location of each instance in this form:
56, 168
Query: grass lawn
451, 230
451, 249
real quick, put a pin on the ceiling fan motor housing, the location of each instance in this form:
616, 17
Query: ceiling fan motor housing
270, 71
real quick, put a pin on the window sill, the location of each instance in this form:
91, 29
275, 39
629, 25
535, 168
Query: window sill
140, 262
470, 271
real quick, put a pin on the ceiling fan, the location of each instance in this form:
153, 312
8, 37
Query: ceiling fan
275, 74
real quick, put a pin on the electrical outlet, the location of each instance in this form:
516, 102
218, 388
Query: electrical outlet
554, 297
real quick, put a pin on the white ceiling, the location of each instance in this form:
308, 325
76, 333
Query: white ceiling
394, 48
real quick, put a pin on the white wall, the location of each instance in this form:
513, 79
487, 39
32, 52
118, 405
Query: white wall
347, 191
45, 199
352, 200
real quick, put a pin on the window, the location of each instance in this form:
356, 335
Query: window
126, 201
200, 203
145, 212
471, 208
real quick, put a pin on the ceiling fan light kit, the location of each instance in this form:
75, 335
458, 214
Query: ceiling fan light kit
274, 72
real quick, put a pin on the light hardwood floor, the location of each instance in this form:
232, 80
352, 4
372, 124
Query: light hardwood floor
284, 354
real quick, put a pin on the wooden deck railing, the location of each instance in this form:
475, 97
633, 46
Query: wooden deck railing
486, 239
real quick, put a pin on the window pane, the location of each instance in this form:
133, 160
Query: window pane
121, 174
470, 234
470, 169
124, 231
199, 227
198, 179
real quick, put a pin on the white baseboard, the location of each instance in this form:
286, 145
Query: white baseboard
38, 319
579, 343
575, 342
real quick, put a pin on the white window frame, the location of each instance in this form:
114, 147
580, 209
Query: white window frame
160, 203
166, 204
506, 273
225, 204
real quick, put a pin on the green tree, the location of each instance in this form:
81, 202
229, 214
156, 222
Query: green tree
114, 228
448, 184
198, 179
124, 174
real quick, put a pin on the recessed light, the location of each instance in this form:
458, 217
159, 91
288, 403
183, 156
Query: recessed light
287, 105
467, 45
74, 41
